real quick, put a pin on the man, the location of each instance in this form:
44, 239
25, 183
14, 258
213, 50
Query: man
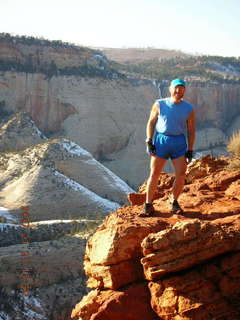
169, 119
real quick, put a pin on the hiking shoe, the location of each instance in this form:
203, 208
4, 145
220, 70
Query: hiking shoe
148, 210
175, 207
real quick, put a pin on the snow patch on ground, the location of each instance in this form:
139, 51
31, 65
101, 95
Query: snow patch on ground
61, 221
93, 197
225, 69
4, 226
34, 315
37, 131
75, 149
4, 212
32, 302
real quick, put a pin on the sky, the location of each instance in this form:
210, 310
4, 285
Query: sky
209, 27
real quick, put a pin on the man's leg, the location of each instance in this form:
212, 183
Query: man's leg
156, 166
180, 167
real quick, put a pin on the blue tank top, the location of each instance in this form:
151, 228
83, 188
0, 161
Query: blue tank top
172, 117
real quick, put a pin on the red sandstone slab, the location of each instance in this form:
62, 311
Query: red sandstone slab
131, 303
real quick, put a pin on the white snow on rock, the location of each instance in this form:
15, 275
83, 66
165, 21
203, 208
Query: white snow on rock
34, 315
25, 310
4, 212
112, 178
90, 196
31, 301
75, 149
225, 69
109, 181
4, 316
37, 131
60, 221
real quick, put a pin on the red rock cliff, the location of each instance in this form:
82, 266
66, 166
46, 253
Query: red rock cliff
169, 266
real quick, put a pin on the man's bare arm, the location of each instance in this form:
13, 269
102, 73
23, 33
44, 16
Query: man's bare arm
152, 120
191, 128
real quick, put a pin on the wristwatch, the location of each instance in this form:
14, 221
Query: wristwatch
148, 140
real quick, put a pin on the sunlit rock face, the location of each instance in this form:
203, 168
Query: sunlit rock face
190, 262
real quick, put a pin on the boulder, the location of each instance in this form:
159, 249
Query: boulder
184, 245
112, 253
210, 291
131, 303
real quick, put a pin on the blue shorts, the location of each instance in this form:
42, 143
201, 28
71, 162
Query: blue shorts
170, 146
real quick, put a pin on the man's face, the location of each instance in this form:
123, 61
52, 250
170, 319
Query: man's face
177, 92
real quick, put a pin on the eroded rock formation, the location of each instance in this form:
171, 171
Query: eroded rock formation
56, 174
190, 263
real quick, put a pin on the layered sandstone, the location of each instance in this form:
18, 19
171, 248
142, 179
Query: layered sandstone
191, 262
184, 245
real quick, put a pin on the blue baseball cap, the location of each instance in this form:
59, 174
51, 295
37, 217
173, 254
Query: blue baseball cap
178, 82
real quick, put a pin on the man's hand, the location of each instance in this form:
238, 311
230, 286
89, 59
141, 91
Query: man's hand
189, 156
151, 149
